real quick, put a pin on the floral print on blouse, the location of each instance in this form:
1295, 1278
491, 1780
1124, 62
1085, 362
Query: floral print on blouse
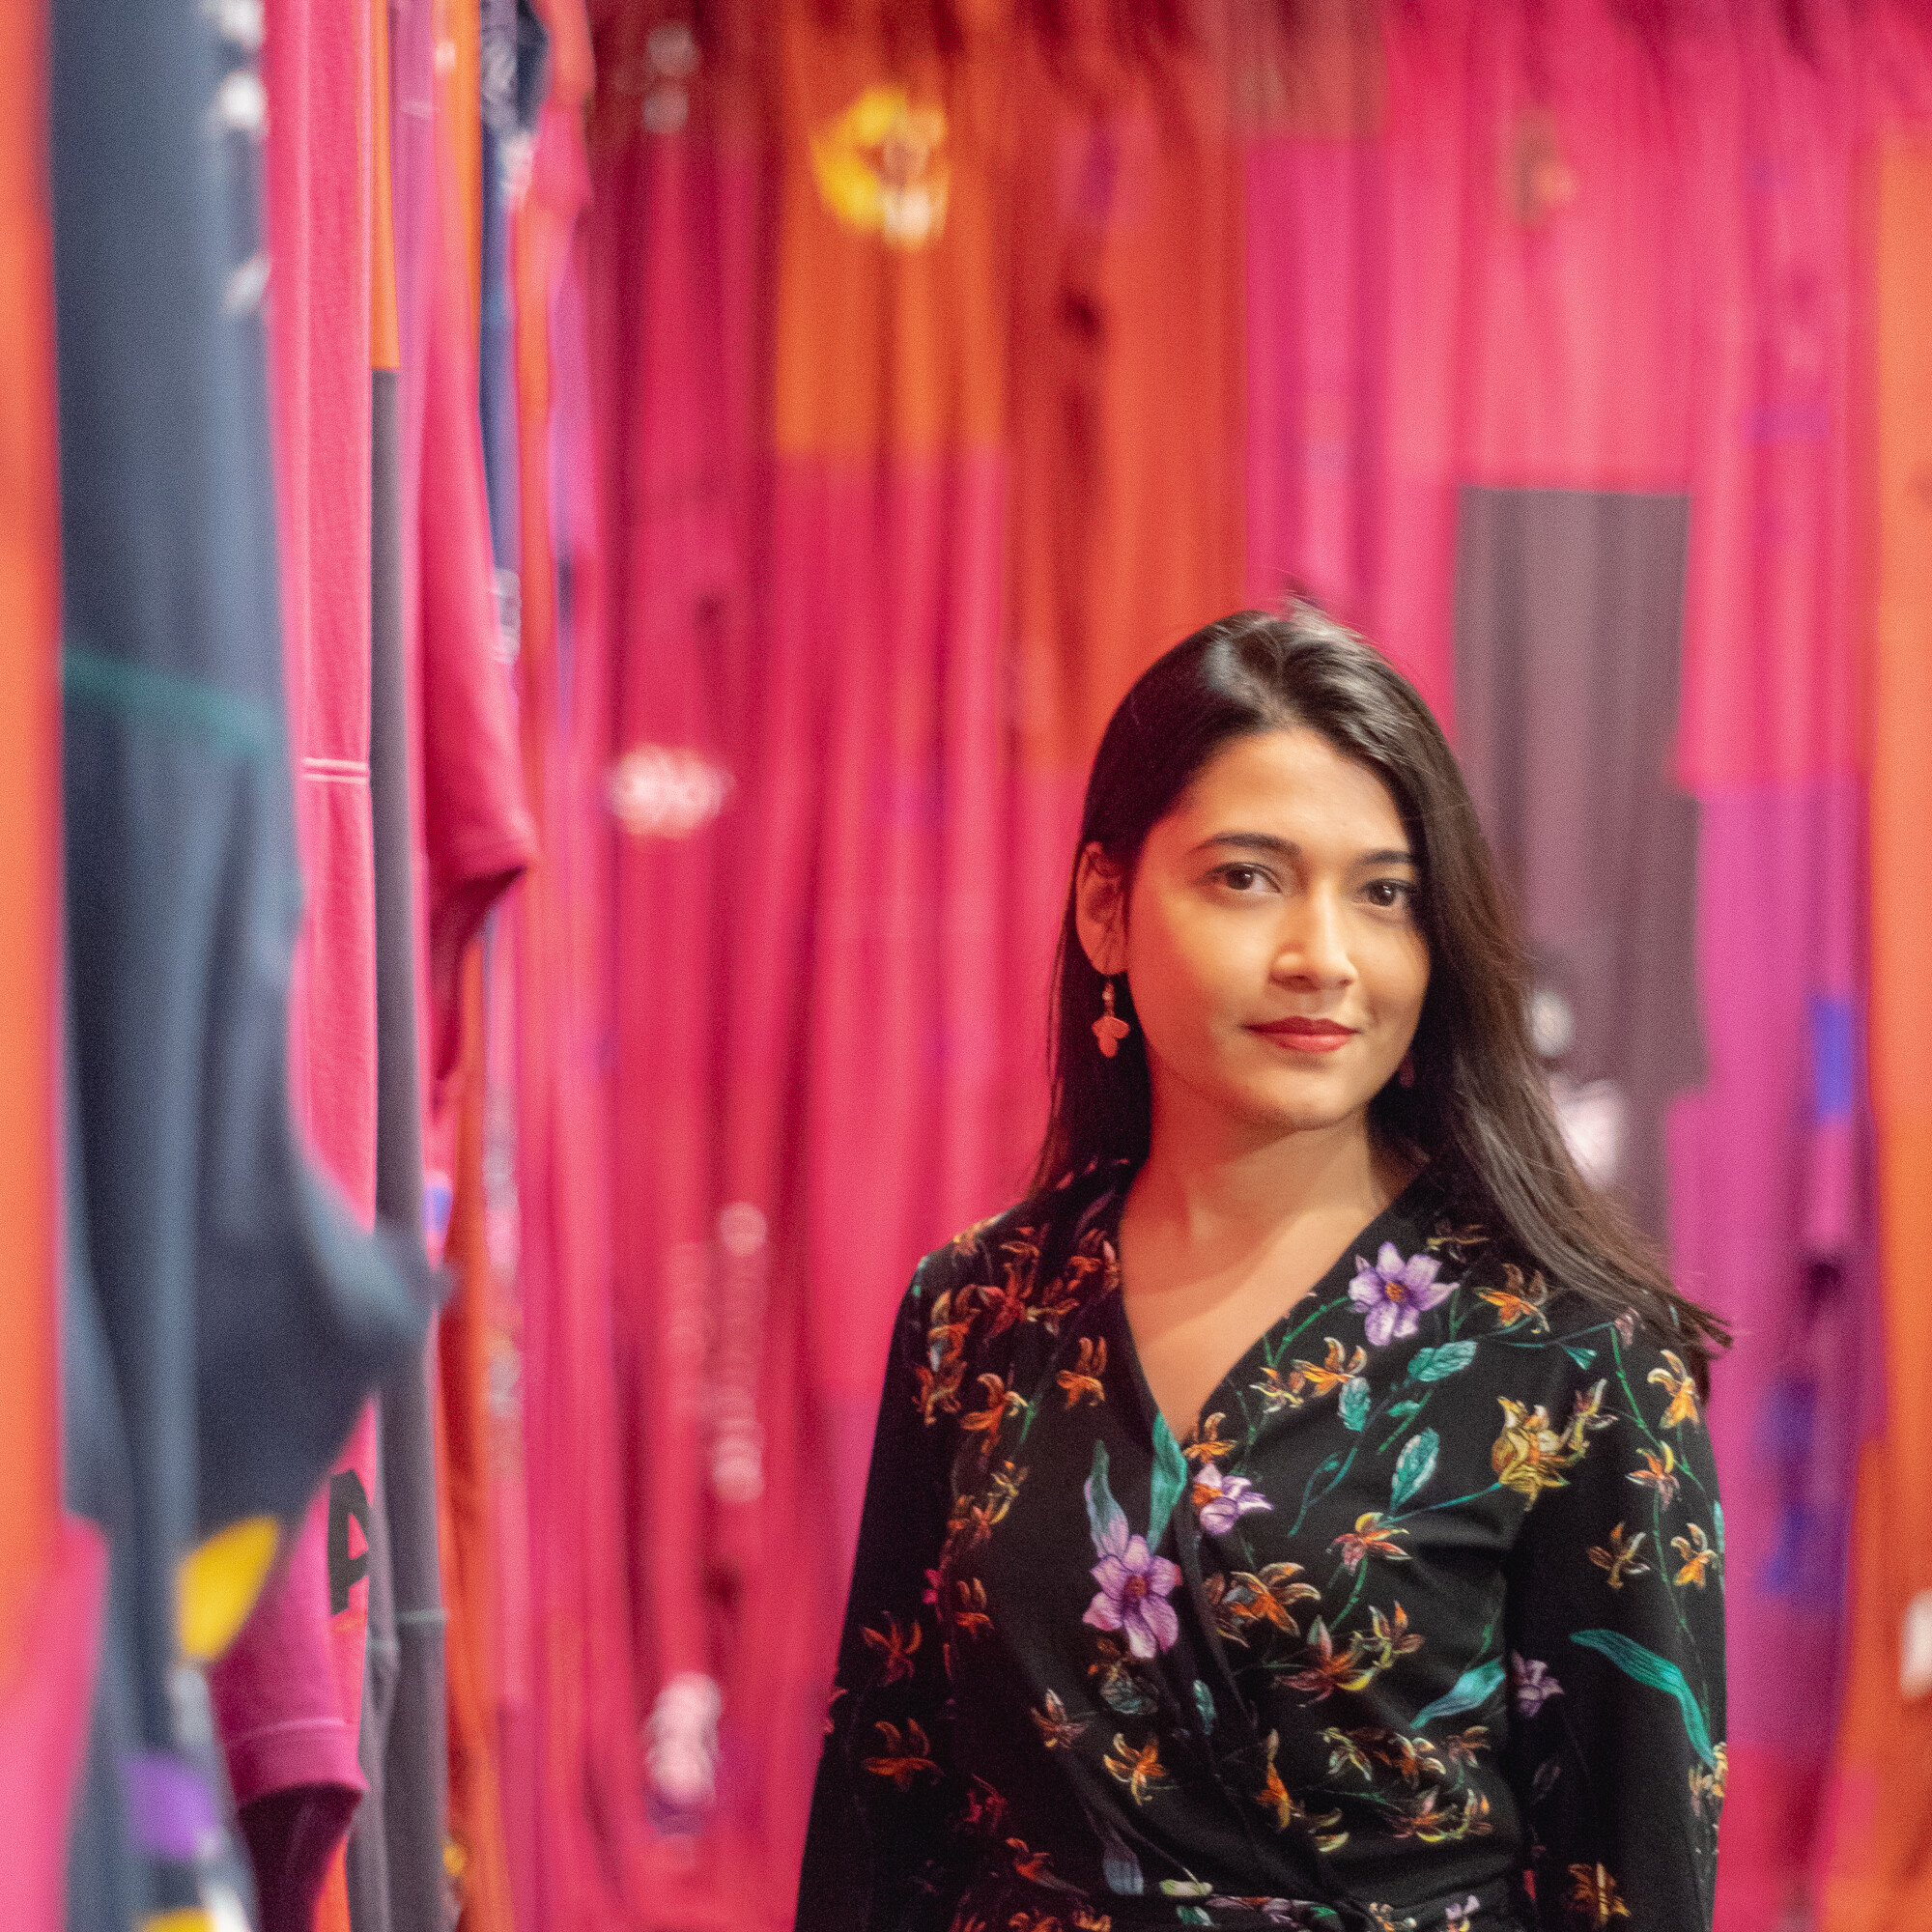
1421, 1631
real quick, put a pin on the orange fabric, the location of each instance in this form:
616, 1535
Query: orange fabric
915, 316
1128, 401
458, 126
1878, 1874
466, 1451
29, 822
385, 350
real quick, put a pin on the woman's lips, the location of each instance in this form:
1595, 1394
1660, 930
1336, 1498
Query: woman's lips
1307, 1035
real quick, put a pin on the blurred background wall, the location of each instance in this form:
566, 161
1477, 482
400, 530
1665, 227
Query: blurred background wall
955, 358
718, 463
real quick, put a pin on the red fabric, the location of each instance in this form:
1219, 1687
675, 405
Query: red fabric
1879, 1871
29, 832
577, 1826
44, 1703
477, 831
289, 1690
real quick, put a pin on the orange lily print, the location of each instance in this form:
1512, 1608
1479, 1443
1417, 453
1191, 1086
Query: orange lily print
1660, 1473
1515, 1303
1620, 1559
1082, 1382
970, 1615
1370, 1537
998, 1403
1247, 1597
1390, 1638
1139, 1771
1331, 1670
1433, 1823
897, 1647
1029, 1863
1057, 1731
1698, 1553
1681, 1386
1208, 1444
1005, 1305
939, 1392
1274, 1797
1593, 1897
902, 1758
1531, 1455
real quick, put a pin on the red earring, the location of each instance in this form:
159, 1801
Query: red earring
1109, 1030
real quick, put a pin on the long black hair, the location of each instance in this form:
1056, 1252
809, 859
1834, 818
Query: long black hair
1479, 1110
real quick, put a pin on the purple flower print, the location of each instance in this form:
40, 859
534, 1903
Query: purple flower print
1533, 1683
1135, 1585
1221, 1501
1392, 1293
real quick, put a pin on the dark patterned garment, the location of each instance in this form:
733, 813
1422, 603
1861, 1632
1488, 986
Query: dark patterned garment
1423, 1628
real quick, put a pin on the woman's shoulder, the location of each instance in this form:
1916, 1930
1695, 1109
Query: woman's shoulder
1027, 1269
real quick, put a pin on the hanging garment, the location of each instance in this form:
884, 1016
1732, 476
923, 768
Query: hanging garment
52, 1568
1568, 629
239, 1316
289, 1694
1396, 1637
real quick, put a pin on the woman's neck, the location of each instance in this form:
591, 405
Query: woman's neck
1213, 1185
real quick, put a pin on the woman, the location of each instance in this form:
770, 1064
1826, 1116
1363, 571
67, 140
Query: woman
1299, 1512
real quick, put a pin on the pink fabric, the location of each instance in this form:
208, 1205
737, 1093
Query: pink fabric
1549, 251
288, 1691
43, 1724
824, 1062
573, 1812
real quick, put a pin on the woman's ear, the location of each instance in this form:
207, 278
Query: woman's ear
1101, 911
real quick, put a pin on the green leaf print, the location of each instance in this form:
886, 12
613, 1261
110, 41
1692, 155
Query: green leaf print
1203, 1702
1105, 1517
1660, 1673
1170, 1481
1470, 1692
1431, 1365
1581, 1356
1414, 1467
1355, 1403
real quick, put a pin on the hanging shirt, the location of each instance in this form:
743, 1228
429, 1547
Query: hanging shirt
1422, 1628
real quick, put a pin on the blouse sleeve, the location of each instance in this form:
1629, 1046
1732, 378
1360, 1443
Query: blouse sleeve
1616, 1627
886, 1796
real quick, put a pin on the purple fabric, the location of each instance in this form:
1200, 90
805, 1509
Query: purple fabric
170, 1808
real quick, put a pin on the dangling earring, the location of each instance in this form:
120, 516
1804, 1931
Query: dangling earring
1405, 1072
1110, 1029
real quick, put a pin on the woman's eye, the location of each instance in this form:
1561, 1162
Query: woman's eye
1242, 878
1390, 893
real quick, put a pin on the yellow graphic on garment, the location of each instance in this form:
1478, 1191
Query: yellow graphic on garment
186, 1918
881, 167
217, 1583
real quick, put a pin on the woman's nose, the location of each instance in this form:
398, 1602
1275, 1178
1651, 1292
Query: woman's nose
1315, 946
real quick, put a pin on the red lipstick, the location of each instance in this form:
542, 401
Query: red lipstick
1307, 1035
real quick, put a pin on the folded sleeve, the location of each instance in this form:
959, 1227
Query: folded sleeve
1615, 1626
879, 1848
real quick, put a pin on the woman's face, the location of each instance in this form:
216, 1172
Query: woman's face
1269, 936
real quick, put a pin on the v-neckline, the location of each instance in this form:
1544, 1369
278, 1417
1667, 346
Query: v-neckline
1369, 1237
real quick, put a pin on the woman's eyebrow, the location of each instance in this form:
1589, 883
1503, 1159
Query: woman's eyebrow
1287, 848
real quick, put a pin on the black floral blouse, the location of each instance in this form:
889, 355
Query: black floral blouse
1424, 1629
